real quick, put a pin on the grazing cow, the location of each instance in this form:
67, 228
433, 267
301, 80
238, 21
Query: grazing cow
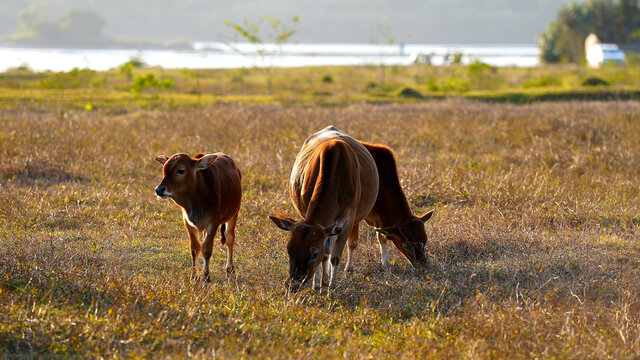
391, 214
208, 189
333, 185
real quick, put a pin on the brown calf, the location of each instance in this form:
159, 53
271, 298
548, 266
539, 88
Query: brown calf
208, 189
391, 214
333, 185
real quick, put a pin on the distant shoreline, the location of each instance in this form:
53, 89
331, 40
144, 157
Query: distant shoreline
243, 55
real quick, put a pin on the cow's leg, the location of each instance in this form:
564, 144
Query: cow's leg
223, 231
384, 255
230, 238
317, 277
325, 275
352, 242
194, 235
207, 250
336, 252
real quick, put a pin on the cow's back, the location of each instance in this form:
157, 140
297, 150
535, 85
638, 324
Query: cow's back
306, 174
223, 182
391, 205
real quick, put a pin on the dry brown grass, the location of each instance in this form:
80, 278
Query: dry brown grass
533, 246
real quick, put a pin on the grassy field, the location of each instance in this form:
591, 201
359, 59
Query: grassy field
533, 246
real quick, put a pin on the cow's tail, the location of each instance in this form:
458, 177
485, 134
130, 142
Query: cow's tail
223, 229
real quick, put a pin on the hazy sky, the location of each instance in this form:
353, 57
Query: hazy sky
416, 21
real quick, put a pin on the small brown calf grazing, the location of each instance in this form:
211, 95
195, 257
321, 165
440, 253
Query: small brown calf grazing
208, 189
333, 185
391, 214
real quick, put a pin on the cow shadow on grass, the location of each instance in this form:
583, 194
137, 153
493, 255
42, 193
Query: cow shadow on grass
459, 273
36, 174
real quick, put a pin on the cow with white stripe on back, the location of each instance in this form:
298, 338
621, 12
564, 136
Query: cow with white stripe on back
333, 186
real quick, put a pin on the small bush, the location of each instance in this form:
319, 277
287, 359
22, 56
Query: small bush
328, 79
477, 66
457, 58
594, 81
76, 78
371, 85
149, 81
133, 63
410, 93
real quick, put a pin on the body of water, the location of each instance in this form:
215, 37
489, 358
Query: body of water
219, 55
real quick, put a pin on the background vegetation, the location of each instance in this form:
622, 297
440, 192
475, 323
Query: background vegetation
133, 84
613, 21
77, 27
533, 245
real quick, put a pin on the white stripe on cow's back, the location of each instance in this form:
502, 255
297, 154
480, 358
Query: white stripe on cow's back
303, 157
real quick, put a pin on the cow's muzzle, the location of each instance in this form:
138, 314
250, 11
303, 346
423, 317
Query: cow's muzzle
161, 191
416, 254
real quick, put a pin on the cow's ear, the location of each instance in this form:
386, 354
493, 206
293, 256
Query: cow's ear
332, 230
162, 159
205, 161
424, 218
281, 221
388, 230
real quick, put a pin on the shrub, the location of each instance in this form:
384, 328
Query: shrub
76, 78
327, 79
149, 81
133, 63
594, 81
457, 58
410, 93
477, 66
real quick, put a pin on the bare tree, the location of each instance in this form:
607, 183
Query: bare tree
382, 35
267, 35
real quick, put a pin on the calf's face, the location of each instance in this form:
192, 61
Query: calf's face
180, 173
306, 248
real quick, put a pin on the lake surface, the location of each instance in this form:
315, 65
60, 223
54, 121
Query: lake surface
214, 55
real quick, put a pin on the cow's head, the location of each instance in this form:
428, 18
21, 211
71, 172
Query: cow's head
179, 173
410, 238
306, 248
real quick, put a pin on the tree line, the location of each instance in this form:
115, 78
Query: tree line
612, 21
76, 27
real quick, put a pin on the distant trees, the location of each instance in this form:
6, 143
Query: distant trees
76, 27
611, 21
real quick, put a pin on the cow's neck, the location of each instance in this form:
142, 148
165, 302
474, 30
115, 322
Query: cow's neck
194, 208
389, 210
